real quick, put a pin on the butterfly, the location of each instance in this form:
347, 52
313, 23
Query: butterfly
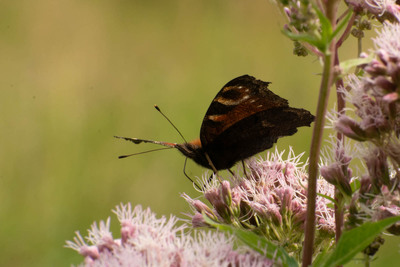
244, 118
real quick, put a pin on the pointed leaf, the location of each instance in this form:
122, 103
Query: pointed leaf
346, 66
340, 26
304, 37
354, 241
326, 27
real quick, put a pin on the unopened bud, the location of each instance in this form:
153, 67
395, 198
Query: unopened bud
378, 168
350, 128
89, 252
107, 243
335, 175
376, 68
202, 208
390, 98
385, 84
383, 56
198, 221
128, 231
365, 184
226, 193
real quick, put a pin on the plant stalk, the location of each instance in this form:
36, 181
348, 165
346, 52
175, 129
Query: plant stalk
341, 104
326, 82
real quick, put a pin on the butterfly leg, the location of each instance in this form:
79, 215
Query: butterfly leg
212, 166
244, 170
211, 177
190, 179
231, 172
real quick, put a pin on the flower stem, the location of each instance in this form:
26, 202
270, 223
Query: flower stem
341, 104
326, 82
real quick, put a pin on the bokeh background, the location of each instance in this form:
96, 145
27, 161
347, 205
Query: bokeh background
74, 73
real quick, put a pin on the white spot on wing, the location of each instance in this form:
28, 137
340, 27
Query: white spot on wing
231, 102
215, 117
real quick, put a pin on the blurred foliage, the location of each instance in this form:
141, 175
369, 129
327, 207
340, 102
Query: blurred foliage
75, 73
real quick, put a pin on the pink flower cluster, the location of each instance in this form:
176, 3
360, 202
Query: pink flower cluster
270, 200
150, 241
374, 121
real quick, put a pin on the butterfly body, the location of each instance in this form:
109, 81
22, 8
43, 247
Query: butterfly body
244, 118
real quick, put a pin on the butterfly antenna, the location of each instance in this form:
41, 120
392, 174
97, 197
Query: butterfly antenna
144, 152
159, 110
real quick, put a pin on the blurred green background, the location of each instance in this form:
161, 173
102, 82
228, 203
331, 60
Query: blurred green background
75, 73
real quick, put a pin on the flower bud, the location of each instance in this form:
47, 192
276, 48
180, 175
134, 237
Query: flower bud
393, 70
198, 221
383, 56
274, 214
350, 128
215, 198
335, 175
202, 208
372, 131
285, 196
390, 98
107, 243
236, 201
376, 68
128, 231
365, 184
385, 84
378, 168
341, 156
89, 252
226, 193
287, 12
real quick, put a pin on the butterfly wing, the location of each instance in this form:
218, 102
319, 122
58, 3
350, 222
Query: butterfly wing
238, 99
246, 118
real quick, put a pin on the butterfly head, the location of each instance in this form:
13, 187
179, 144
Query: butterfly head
194, 151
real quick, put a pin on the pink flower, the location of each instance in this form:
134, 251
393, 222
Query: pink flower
270, 200
152, 241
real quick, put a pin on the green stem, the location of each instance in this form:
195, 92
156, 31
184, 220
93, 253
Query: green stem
326, 82
341, 104
367, 260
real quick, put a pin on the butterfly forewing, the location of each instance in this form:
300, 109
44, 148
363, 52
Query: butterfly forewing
246, 118
238, 99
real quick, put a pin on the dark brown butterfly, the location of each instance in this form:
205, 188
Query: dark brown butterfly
244, 118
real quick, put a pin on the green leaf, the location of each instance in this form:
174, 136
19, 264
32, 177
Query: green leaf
355, 185
354, 241
341, 25
331, 199
257, 243
304, 37
346, 66
326, 27
320, 259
